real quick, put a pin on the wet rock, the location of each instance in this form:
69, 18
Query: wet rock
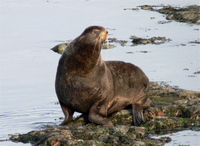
72, 142
165, 139
197, 72
154, 40
144, 51
195, 42
190, 94
108, 46
121, 128
147, 7
115, 40
60, 48
180, 102
67, 134
190, 14
122, 113
109, 139
92, 143
140, 130
139, 143
134, 9
164, 22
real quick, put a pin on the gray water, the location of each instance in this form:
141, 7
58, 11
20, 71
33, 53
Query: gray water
29, 28
182, 138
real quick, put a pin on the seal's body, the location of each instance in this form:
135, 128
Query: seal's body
87, 84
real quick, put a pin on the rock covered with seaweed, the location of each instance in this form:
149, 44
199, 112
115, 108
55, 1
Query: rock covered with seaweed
189, 14
173, 109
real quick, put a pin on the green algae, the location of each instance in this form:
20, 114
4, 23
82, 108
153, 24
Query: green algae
165, 125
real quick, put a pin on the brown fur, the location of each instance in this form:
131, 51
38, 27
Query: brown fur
87, 84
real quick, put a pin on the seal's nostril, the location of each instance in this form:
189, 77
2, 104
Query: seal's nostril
106, 32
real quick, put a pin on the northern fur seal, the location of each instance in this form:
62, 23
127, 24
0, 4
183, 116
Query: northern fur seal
87, 84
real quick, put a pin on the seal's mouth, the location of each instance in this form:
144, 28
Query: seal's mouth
103, 36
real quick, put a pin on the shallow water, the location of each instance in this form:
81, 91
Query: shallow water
28, 29
182, 138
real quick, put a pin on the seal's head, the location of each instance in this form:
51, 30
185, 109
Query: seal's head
83, 53
94, 35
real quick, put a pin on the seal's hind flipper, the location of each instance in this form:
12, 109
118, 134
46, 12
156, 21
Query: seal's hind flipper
137, 115
97, 116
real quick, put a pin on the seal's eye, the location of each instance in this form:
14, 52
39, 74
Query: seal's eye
96, 31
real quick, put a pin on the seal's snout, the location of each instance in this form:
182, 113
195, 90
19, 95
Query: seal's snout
104, 35
106, 32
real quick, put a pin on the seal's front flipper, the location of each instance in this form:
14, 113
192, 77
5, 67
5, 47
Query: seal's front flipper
67, 112
137, 114
96, 116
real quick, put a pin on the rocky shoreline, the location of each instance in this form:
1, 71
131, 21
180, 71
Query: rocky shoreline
173, 109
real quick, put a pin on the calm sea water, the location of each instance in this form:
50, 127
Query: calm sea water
28, 29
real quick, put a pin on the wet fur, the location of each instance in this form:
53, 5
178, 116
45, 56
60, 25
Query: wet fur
87, 84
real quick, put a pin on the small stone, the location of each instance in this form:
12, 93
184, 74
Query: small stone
140, 130
54, 139
130, 52
92, 142
180, 102
90, 132
139, 143
60, 48
14, 137
109, 139
73, 142
190, 94
80, 128
67, 133
165, 139
121, 128
122, 112
197, 72
109, 46
53, 134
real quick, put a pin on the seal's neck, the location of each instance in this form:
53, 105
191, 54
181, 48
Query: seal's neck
81, 59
